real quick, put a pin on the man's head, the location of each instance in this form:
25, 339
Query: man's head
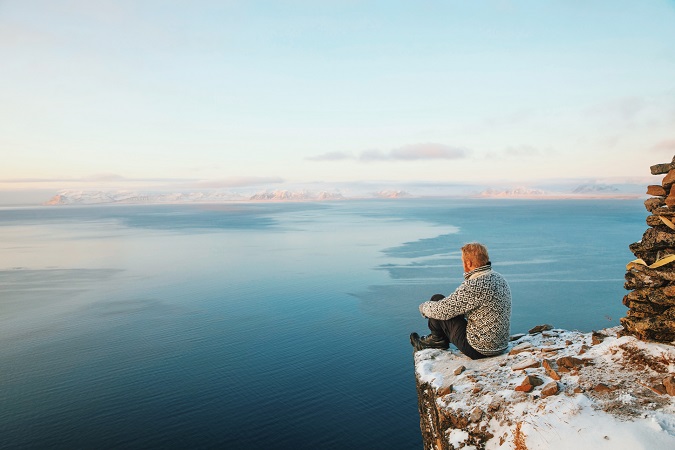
474, 255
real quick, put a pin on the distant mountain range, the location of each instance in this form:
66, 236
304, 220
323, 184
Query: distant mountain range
94, 197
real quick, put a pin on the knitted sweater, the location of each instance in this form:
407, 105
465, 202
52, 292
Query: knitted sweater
484, 298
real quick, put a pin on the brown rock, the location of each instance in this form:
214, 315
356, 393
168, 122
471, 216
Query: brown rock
524, 388
476, 414
659, 169
529, 382
669, 179
658, 388
550, 371
550, 389
658, 298
669, 384
597, 338
569, 362
602, 387
445, 390
584, 348
670, 200
578, 390
526, 364
459, 370
654, 203
568, 342
522, 347
540, 328
656, 190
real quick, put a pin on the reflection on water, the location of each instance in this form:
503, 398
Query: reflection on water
266, 325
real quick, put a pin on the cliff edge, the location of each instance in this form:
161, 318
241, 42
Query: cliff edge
554, 389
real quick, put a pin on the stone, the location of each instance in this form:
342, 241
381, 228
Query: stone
540, 328
515, 337
654, 203
568, 342
476, 414
444, 390
658, 388
528, 383
669, 179
459, 370
597, 338
654, 221
669, 384
602, 388
660, 169
550, 389
584, 348
528, 363
570, 362
522, 347
656, 190
670, 200
550, 371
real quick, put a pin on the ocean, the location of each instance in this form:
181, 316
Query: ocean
268, 325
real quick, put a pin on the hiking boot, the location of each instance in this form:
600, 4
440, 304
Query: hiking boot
429, 341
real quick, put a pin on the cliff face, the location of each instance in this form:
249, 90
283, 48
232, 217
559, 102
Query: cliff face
554, 389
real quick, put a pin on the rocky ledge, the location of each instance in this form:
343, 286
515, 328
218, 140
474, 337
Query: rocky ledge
553, 389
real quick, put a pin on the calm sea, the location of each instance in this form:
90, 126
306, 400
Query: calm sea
265, 326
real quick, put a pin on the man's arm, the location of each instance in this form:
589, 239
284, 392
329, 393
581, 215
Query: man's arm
456, 304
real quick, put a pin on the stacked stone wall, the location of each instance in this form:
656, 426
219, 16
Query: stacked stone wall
651, 277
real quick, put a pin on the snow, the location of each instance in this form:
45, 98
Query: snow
631, 415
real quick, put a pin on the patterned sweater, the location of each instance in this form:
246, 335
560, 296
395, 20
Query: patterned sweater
484, 298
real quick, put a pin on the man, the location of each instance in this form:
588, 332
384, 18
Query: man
476, 317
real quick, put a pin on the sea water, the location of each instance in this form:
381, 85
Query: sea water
276, 325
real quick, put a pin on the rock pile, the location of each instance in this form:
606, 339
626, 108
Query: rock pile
651, 277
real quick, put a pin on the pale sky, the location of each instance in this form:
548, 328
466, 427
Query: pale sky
227, 93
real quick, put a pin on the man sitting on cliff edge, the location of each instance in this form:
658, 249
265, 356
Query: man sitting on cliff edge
476, 317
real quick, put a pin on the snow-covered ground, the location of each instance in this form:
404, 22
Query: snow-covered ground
612, 396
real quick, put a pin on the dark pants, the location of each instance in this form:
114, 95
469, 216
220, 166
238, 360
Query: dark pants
454, 330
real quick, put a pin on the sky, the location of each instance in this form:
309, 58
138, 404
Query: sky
221, 94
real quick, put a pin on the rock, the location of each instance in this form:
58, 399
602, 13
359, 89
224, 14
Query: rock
602, 388
540, 328
597, 338
669, 384
445, 390
550, 389
523, 347
654, 203
568, 342
670, 200
476, 414
669, 179
570, 362
578, 390
550, 371
526, 364
528, 383
515, 337
660, 169
656, 190
658, 388
459, 370
584, 348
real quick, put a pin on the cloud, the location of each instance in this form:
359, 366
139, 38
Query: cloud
414, 152
331, 156
239, 182
97, 178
